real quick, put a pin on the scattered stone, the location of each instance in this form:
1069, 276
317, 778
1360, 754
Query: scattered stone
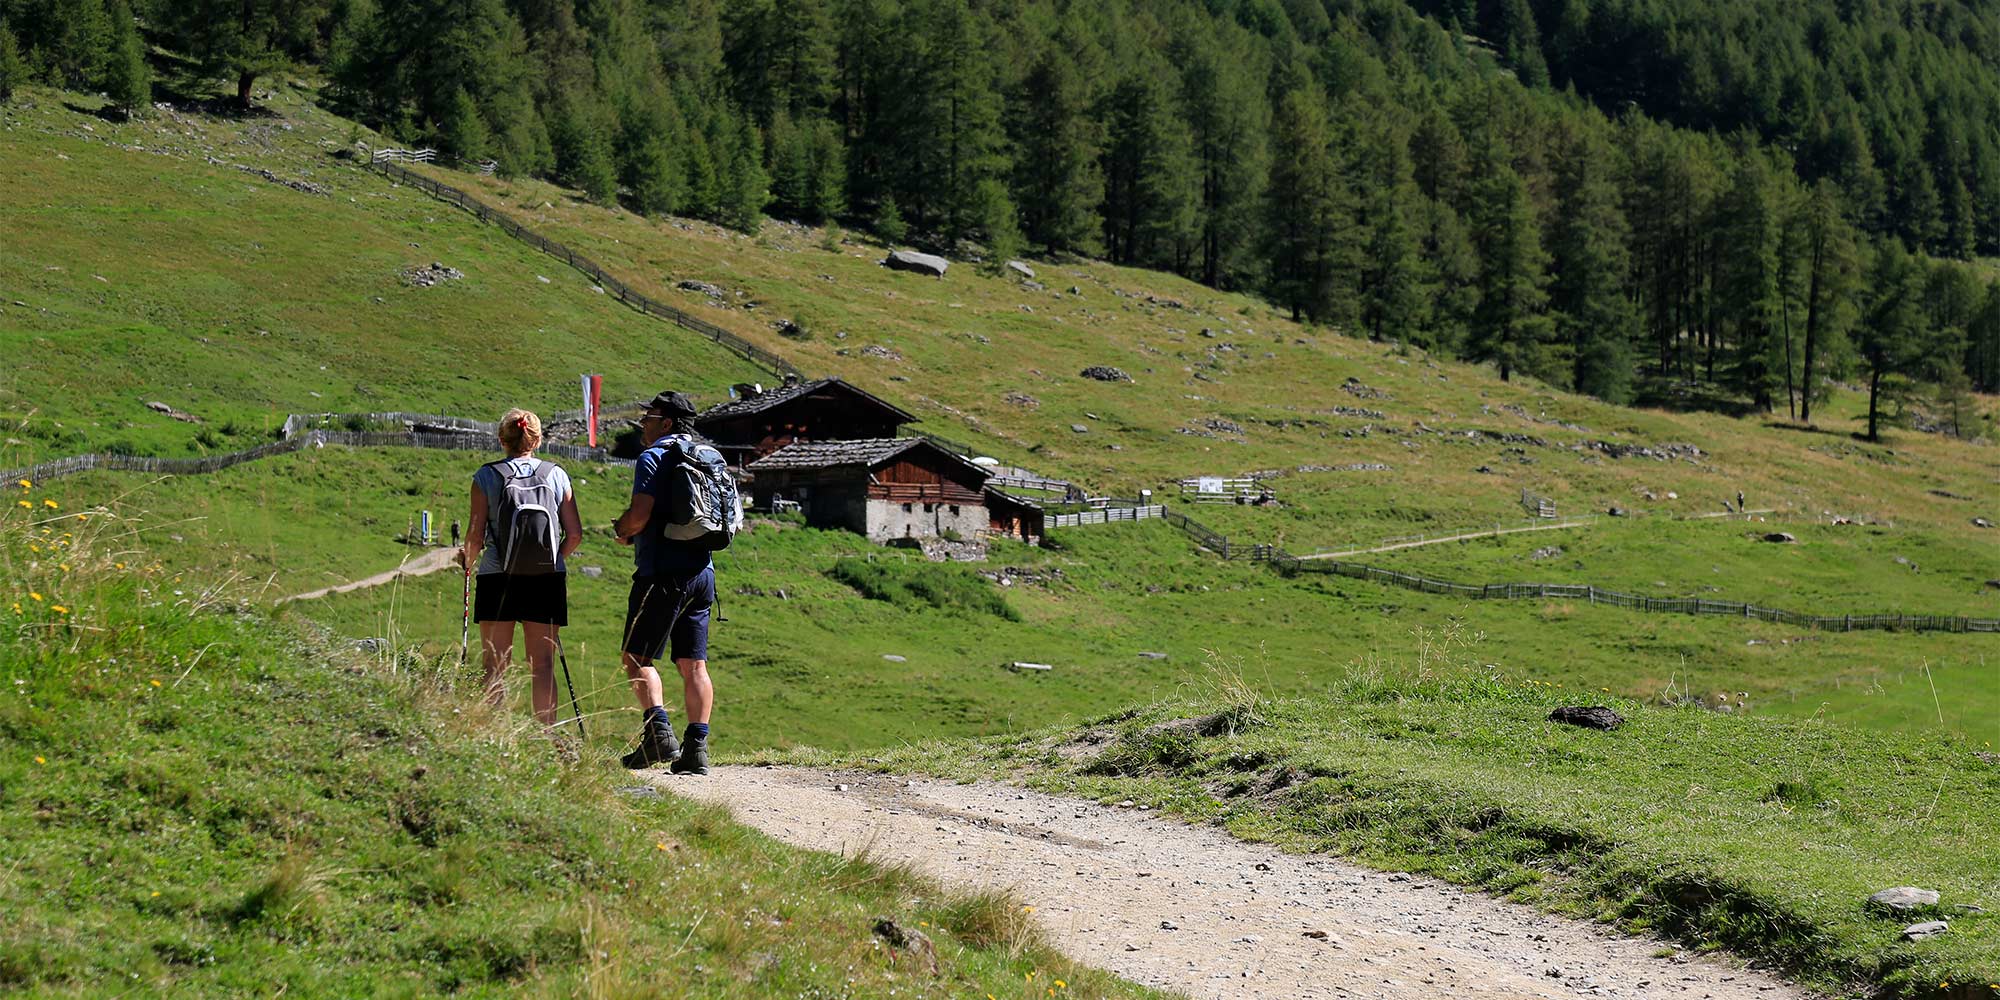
1221, 426
893, 658
1588, 716
1927, 929
1995, 584
1022, 399
1980, 522
1105, 373
1781, 537
878, 351
1165, 925
1615, 511
370, 645
1354, 387
1546, 553
1079, 428
305, 187
789, 328
426, 276
1152, 656
1021, 269
1073, 290
541, 279
594, 572
1485, 470
907, 939
640, 791
1904, 898
186, 418
919, 263
712, 291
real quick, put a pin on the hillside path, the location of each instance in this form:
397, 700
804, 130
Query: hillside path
1491, 532
423, 565
1192, 909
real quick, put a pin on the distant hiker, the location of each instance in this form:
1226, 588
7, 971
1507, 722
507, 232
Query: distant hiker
454, 534
1739, 503
683, 508
524, 526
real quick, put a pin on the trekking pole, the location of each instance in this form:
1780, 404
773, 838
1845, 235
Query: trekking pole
465, 622
574, 711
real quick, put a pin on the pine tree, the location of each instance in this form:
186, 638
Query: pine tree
1000, 223
1830, 275
78, 40
580, 134
1151, 184
1893, 330
1222, 86
1056, 169
243, 39
127, 79
1593, 312
13, 72
1448, 247
1750, 293
1982, 351
462, 132
1511, 326
746, 188
1308, 210
889, 222
1396, 285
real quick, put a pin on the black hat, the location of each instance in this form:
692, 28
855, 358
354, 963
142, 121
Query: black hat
671, 404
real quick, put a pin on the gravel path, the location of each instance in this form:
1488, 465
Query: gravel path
1192, 909
429, 562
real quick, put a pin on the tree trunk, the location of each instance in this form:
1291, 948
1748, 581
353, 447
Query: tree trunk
1812, 331
243, 82
1874, 390
1791, 396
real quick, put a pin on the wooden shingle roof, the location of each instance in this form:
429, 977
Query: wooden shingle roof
786, 393
865, 453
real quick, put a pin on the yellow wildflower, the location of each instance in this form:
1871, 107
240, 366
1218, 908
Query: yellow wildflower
120, 565
34, 548
17, 607
156, 893
24, 484
65, 566
155, 682
24, 503
50, 504
39, 759
1061, 985
59, 609
34, 595
660, 846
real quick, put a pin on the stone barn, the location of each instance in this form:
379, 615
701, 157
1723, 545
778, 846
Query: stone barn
1012, 516
760, 421
884, 488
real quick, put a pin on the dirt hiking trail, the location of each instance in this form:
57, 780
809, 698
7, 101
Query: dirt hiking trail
423, 565
1191, 909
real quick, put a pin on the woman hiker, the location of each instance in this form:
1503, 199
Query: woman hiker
522, 530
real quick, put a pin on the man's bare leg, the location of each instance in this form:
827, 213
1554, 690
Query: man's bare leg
696, 689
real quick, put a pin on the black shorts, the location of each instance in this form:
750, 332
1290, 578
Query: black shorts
663, 608
503, 597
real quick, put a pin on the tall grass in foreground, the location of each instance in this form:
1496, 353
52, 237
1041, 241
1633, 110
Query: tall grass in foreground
199, 801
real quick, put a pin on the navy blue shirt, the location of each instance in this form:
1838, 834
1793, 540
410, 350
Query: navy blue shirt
651, 554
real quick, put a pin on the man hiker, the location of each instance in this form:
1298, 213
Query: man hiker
673, 588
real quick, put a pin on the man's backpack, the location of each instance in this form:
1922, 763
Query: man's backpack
525, 520
702, 508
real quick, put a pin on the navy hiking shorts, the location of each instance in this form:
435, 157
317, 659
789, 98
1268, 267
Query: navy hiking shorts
670, 610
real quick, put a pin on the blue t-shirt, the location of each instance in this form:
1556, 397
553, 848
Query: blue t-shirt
652, 555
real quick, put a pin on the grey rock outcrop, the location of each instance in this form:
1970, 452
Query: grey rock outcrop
920, 263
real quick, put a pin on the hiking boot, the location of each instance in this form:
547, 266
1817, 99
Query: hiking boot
656, 746
694, 758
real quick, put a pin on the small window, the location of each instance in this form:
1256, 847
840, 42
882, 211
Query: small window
906, 508
930, 508
954, 509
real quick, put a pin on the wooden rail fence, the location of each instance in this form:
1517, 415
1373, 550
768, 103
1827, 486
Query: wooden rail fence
297, 442
444, 192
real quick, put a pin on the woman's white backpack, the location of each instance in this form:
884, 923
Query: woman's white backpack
525, 520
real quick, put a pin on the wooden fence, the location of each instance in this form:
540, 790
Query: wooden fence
444, 192
1538, 505
1291, 565
1106, 515
298, 442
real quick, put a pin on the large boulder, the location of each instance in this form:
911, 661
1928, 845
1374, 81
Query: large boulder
1588, 716
1904, 898
921, 263
1021, 269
